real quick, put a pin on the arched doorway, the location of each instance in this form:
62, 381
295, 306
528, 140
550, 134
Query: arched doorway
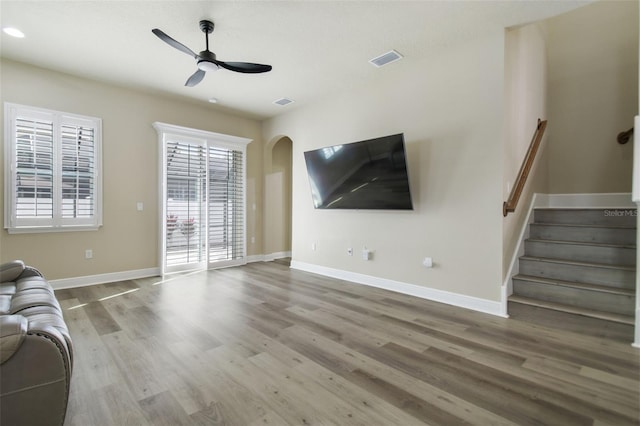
277, 198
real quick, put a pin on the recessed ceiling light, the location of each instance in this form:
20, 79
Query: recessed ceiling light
283, 101
385, 58
213, 100
13, 32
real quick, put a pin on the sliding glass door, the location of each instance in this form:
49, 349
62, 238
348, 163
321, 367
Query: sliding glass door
202, 200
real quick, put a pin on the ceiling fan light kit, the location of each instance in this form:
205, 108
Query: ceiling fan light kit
206, 60
208, 66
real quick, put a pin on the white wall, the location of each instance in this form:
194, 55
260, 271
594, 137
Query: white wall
450, 108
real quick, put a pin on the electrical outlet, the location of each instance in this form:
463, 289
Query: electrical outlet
366, 254
313, 246
88, 254
350, 251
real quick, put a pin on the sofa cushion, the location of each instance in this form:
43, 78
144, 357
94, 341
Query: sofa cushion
32, 298
32, 282
5, 304
8, 288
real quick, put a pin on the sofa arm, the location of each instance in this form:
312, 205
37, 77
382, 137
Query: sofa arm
10, 271
13, 329
34, 382
30, 271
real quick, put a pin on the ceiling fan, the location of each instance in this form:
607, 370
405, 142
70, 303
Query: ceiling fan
206, 59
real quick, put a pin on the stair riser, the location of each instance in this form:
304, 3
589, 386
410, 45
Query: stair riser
605, 217
599, 301
582, 253
571, 322
610, 277
620, 236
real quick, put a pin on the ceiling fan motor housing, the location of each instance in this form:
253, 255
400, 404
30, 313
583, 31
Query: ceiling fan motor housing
207, 61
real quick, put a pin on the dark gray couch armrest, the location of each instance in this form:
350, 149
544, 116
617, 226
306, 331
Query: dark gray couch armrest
13, 329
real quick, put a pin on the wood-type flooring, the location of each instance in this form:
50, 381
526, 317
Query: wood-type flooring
266, 345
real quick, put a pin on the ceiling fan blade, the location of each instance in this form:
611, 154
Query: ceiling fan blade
171, 42
245, 67
195, 78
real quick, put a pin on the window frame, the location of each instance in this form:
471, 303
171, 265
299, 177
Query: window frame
57, 222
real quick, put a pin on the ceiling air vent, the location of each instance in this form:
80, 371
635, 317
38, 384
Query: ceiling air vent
283, 101
386, 58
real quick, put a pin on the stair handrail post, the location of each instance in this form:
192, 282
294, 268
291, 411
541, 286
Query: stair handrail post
509, 206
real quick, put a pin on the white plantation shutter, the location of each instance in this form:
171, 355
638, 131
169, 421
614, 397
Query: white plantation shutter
203, 198
226, 205
33, 170
78, 171
186, 173
52, 177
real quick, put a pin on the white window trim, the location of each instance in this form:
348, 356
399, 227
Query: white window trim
57, 224
168, 131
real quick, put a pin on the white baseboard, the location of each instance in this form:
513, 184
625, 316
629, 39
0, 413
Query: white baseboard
111, 277
636, 164
514, 266
590, 201
455, 299
268, 257
278, 255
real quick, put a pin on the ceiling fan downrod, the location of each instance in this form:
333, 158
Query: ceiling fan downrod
207, 28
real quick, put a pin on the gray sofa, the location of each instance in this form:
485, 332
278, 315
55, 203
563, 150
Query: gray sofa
36, 354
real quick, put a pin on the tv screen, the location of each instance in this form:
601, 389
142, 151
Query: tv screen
370, 174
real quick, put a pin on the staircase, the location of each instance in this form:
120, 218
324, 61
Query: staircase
578, 272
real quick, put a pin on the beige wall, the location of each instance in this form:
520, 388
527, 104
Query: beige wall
129, 238
525, 103
450, 110
281, 167
593, 87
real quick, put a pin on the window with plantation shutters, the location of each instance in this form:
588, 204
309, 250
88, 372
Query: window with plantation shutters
202, 199
52, 176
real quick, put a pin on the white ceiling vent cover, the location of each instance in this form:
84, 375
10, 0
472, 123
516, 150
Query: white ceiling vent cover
283, 101
386, 58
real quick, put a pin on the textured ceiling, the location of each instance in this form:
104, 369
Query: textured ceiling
316, 47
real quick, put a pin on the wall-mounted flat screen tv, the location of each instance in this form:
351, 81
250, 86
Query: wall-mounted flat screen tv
370, 174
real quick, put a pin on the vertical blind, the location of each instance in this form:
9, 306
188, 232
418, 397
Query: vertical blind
204, 204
